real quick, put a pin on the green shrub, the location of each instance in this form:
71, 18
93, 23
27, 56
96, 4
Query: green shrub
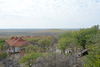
3, 55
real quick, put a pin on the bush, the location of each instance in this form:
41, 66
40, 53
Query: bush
3, 55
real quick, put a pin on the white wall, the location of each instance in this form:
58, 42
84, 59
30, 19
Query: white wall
17, 49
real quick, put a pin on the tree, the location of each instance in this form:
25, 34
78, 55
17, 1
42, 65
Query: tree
63, 43
32, 40
30, 58
44, 43
31, 48
66, 34
83, 37
93, 59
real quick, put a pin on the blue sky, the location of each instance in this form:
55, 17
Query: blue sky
49, 13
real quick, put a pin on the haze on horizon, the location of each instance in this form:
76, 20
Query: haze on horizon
49, 13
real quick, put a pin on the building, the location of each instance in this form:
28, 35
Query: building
14, 43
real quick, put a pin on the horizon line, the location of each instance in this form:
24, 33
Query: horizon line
40, 28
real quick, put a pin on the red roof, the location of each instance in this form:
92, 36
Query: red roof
22, 37
28, 36
17, 42
10, 39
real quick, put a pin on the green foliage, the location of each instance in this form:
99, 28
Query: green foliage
66, 34
31, 48
3, 55
2, 42
83, 37
32, 40
44, 43
93, 59
64, 43
30, 58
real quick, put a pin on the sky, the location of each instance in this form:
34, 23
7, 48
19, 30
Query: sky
49, 13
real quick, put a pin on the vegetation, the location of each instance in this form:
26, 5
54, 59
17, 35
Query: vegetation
44, 44
32, 40
2, 42
31, 48
9, 33
31, 55
66, 34
86, 38
41, 54
64, 43
83, 37
93, 59
30, 58
2, 47
3, 55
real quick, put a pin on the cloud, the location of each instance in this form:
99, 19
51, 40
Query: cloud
47, 7
50, 11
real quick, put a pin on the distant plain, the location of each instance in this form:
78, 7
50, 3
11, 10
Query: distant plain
32, 32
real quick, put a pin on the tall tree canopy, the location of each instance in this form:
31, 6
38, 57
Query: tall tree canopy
93, 59
83, 37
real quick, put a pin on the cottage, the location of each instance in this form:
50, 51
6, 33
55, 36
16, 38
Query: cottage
15, 43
